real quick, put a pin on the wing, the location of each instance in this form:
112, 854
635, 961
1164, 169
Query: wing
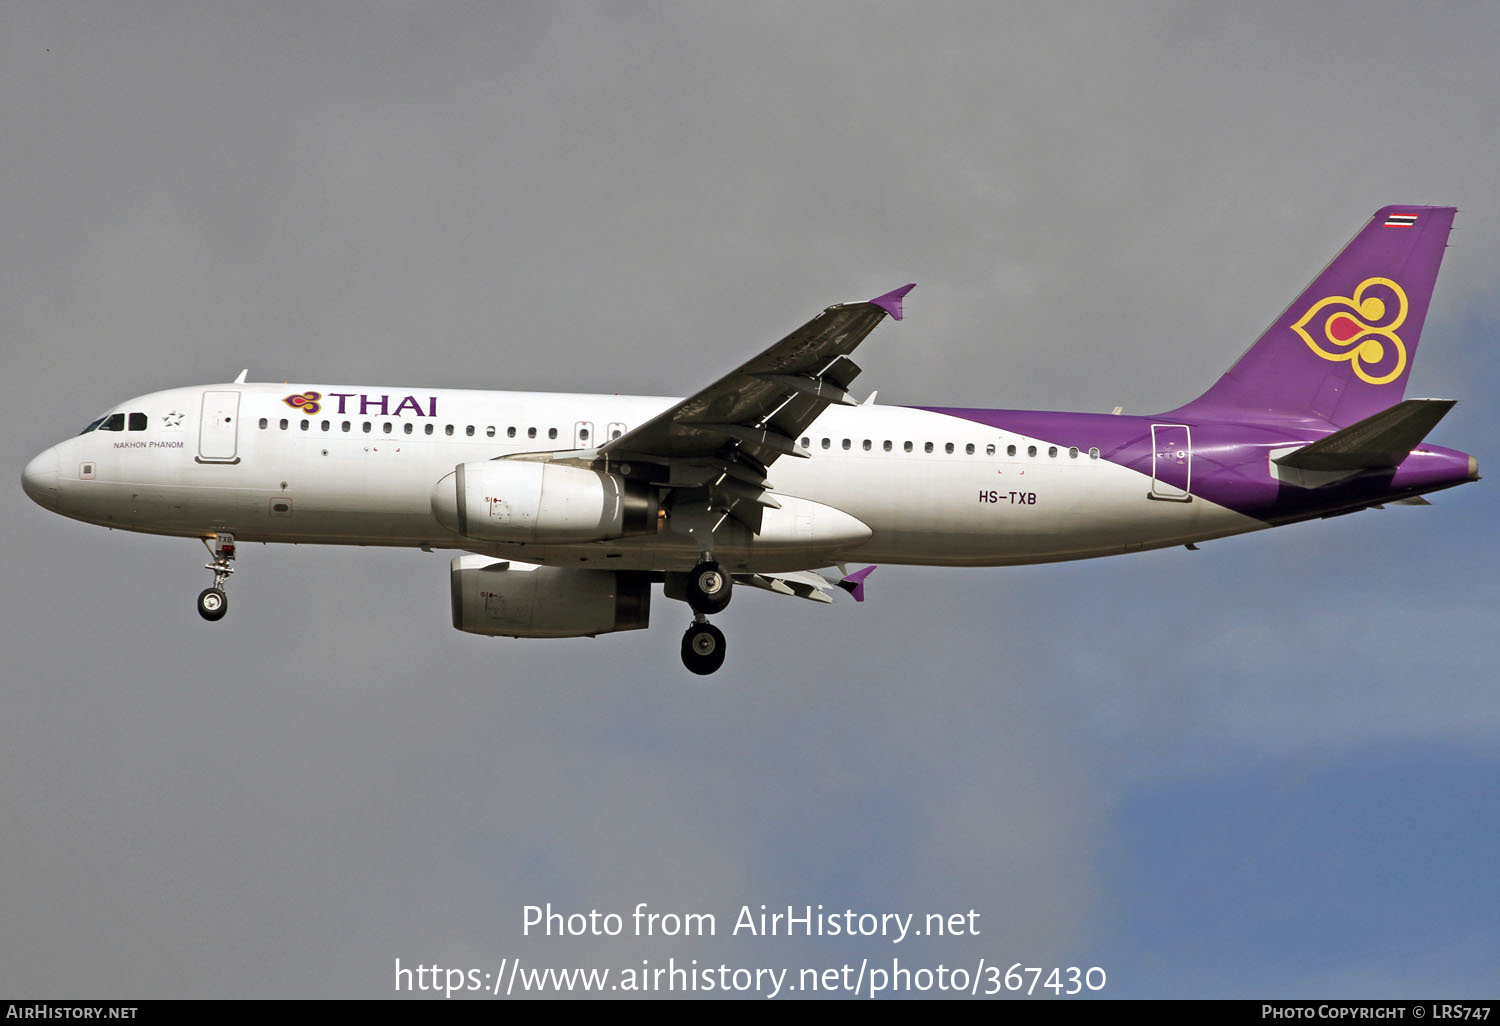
808, 584
752, 416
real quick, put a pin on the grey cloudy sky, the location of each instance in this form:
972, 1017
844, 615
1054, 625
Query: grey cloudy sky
1263, 768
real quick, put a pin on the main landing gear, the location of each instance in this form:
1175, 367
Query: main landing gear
708, 591
703, 648
212, 602
708, 588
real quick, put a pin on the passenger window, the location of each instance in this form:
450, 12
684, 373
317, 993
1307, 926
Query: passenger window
284, 424
531, 432
304, 424
1010, 450
927, 447
489, 432
448, 429
137, 422
867, 445
367, 427
1052, 451
469, 430
583, 434
407, 427
1093, 454
827, 442
264, 423
887, 445
806, 443
907, 447
326, 425
615, 433
1031, 450
346, 426
989, 450
510, 432
948, 448
1072, 452
552, 432
847, 443
969, 449
428, 428
386, 427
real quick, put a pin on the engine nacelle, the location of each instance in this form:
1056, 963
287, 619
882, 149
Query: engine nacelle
518, 600
523, 501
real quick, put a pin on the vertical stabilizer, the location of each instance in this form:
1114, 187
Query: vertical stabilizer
1344, 348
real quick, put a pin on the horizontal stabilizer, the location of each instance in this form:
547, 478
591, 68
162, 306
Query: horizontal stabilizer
1379, 441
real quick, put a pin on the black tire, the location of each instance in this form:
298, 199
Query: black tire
703, 649
709, 589
212, 603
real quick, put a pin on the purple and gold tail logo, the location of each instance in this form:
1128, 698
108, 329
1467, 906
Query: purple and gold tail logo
307, 402
1361, 329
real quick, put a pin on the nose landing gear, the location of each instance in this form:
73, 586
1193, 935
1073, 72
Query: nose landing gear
212, 602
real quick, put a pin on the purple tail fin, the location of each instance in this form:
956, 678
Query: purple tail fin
1343, 350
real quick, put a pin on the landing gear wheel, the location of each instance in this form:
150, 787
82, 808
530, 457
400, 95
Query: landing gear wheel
703, 648
708, 588
213, 604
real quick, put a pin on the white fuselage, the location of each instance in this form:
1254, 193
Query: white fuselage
931, 488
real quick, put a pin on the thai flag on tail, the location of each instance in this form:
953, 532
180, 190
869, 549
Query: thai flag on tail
1401, 221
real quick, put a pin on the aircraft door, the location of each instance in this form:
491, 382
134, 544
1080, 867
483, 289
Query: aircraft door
583, 435
1171, 462
219, 428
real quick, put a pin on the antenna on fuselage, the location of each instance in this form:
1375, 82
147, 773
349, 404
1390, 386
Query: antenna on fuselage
241, 379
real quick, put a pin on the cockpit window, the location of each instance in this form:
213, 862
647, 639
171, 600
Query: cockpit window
116, 422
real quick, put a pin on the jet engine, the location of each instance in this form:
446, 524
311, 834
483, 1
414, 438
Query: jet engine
518, 600
523, 501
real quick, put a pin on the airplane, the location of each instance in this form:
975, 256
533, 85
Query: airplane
568, 509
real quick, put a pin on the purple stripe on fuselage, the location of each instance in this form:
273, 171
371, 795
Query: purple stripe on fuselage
1231, 461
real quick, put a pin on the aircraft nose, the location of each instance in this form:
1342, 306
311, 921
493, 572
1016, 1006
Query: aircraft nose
39, 479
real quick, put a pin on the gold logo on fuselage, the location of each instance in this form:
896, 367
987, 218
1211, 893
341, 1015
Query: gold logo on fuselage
307, 402
1360, 329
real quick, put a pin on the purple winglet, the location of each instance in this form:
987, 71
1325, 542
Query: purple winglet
854, 584
891, 301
